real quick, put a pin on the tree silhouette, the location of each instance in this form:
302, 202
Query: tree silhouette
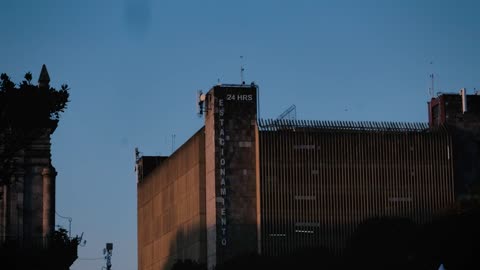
188, 265
383, 243
26, 111
452, 239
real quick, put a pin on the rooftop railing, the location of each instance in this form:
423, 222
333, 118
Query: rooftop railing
287, 124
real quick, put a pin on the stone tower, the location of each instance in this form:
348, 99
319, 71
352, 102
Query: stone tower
27, 205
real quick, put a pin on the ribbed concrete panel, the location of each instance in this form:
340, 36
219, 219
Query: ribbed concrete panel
319, 180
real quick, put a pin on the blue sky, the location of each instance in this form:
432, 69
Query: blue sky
134, 68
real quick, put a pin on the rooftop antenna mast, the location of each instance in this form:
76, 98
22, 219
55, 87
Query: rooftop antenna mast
201, 104
431, 90
242, 69
138, 155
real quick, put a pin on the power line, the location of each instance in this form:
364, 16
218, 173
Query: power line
62, 216
69, 224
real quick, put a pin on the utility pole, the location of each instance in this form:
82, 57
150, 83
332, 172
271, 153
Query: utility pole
107, 251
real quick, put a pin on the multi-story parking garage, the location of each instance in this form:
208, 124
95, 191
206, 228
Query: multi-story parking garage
243, 185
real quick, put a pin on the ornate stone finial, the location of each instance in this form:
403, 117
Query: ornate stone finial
44, 78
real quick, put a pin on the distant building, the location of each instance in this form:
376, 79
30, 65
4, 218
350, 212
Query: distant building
27, 202
460, 114
242, 185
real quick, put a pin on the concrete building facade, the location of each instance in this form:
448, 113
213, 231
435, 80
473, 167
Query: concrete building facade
171, 206
273, 186
320, 180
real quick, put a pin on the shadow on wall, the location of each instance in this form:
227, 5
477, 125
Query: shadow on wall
380, 243
467, 154
188, 248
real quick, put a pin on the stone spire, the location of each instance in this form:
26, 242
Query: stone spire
44, 78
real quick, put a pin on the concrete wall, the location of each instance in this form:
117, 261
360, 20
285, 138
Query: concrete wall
318, 184
171, 208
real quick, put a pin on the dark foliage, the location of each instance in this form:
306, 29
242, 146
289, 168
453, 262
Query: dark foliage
451, 239
383, 243
247, 261
188, 265
61, 239
54, 252
25, 111
307, 258
28, 105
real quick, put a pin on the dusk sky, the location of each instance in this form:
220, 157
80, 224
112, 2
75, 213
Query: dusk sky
134, 68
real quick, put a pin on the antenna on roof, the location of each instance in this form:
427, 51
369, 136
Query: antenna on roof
242, 69
173, 142
289, 114
138, 154
200, 103
431, 90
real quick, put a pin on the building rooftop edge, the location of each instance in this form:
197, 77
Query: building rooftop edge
439, 94
281, 124
252, 84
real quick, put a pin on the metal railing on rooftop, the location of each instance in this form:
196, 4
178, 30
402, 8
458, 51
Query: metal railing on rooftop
287, 124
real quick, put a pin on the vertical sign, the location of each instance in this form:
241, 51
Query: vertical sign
230, 172
235, 119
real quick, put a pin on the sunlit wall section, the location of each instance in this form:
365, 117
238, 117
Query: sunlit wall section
171, 207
